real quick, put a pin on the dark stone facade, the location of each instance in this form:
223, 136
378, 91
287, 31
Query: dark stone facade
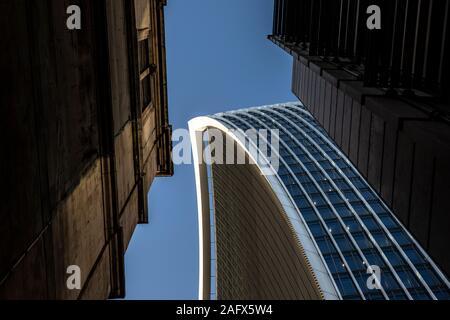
81, 144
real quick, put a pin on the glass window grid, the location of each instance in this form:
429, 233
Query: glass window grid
357, 181
369, 196
376, 205
318, 230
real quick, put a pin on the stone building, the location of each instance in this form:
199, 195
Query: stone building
85, 131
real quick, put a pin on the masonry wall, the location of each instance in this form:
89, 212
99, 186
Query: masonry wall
71, 142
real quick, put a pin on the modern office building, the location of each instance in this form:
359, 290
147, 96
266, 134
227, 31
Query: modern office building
383, 96
84, 131
307, 226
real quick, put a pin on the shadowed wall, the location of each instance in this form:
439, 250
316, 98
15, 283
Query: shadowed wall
80, 148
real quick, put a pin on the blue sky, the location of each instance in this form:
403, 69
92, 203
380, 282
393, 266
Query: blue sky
218, 59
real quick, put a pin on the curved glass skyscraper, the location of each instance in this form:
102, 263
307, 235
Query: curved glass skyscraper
307, 226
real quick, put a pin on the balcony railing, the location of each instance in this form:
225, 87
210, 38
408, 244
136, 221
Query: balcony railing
410, 51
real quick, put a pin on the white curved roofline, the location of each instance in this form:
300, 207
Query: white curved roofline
199, 125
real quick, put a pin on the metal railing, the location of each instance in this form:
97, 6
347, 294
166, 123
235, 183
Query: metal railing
410, 51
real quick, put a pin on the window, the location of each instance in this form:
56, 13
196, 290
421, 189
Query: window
317, 199
374, 258
341, 164
296, 149
319, 157
397, 295
388, 221
362, 240
334, 197
375, 295
290, 160
368, 194
420, 294
316, 229
442, 293
311, 167
346, 285
361, 277
429, 276
318, 176
358, 182
334, 263
355, 263
283, 170
325, 185
297, 169
413, 254
334, 174
326, 165
310, 188
334, 227
344, 242
144, 55
401, 237
325, 245
343, 210
326, 212
284, 153
303, 178
309, 215
370, 223
341, 184
146, 91
360, 209
289, 180
408, 278
294, 190
333, 155
350, 195
302, 202
393, 257
377, 206
381, 239
349, 172
388, 281
303, 158
352, 224
146, 68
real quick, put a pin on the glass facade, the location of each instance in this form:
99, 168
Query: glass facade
351, 227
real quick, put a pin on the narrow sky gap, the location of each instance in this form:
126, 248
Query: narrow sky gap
218, 59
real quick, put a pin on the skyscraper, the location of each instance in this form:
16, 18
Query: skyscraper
382, 95
310, 227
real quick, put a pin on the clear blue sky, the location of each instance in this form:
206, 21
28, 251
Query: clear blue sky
218, 59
